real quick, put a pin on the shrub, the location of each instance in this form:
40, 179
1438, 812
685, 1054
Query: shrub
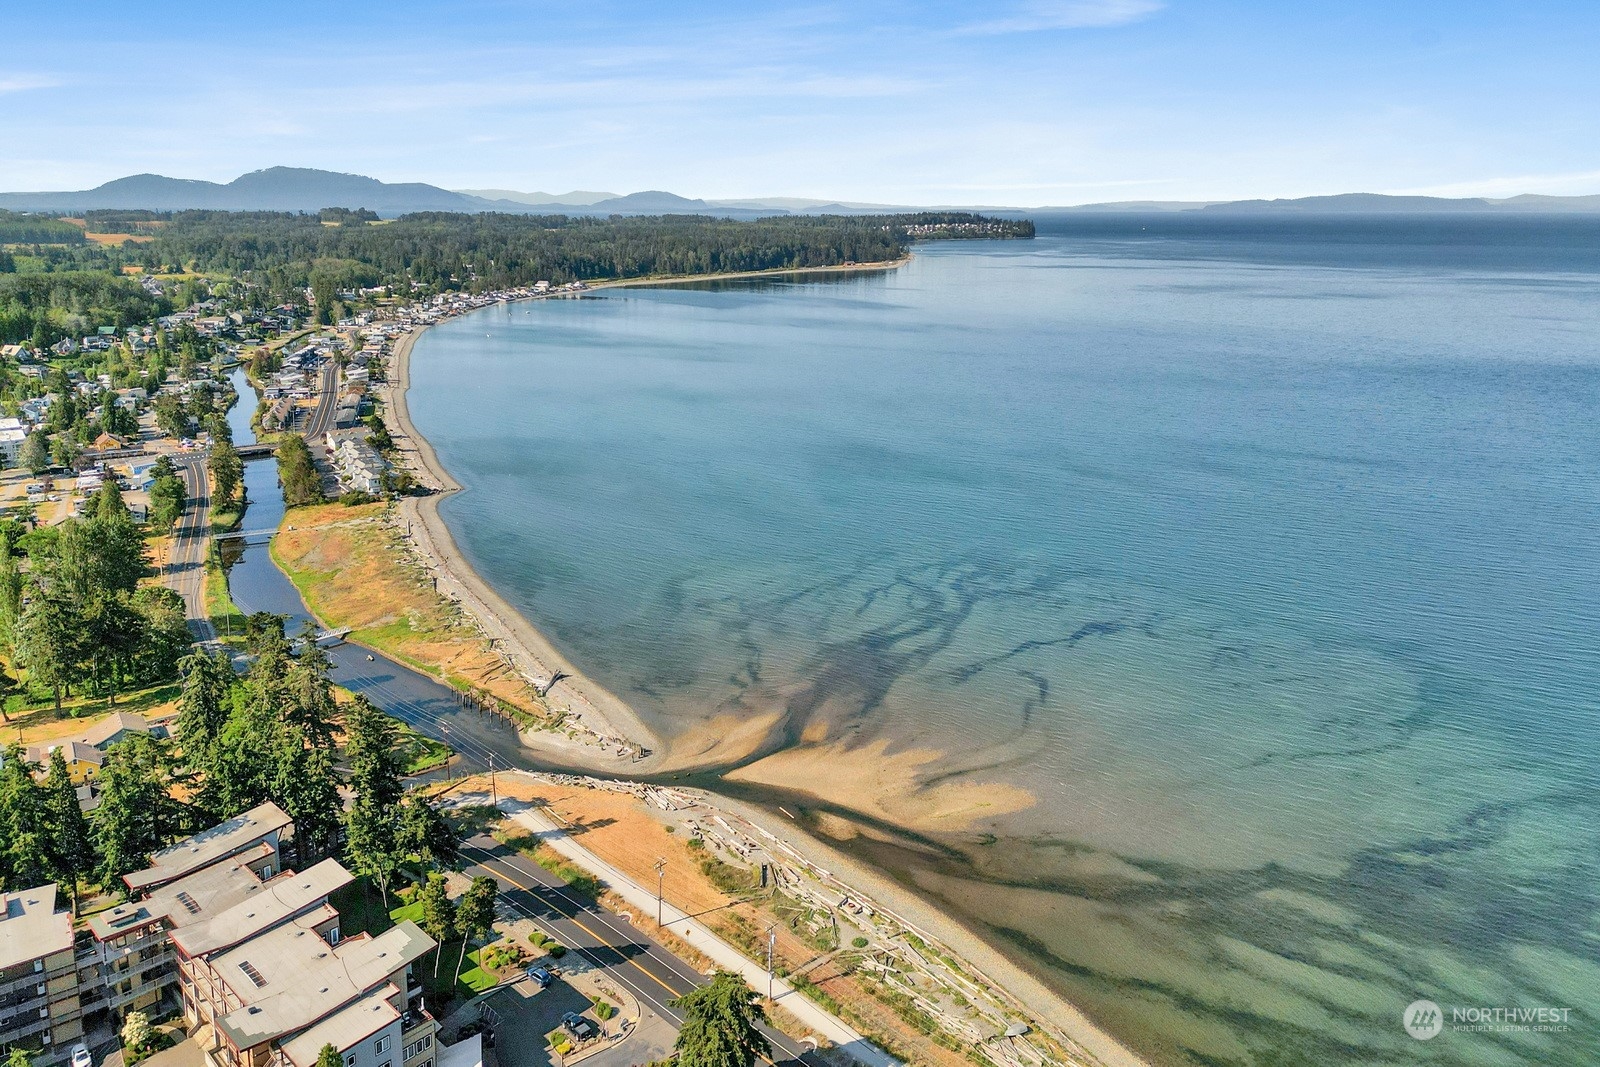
859, 942
603, 1009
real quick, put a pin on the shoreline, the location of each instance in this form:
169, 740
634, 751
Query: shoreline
621, 732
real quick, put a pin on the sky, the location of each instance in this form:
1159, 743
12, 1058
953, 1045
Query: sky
1007, 102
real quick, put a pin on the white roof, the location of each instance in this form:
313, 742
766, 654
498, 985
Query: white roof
31, 928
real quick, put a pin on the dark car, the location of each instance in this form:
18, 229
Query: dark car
578, 1026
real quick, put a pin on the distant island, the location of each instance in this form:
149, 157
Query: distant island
310, 190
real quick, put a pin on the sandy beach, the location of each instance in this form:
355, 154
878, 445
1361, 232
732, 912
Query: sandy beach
615, 741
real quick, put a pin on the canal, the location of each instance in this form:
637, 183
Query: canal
256, 584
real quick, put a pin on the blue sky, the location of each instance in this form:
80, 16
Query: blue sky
1028, 102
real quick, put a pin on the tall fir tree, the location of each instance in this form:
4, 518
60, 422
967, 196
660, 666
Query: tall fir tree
71, 849
136, 816
719, 1024
24, 830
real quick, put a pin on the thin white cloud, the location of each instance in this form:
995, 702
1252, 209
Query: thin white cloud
1067, 15
17, 83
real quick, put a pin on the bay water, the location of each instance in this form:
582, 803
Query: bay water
1261, 554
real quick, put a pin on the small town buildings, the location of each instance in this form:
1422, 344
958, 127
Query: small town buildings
11, 441
83, 760
359, 466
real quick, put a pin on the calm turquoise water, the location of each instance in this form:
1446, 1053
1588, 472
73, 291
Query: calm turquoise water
1265, 557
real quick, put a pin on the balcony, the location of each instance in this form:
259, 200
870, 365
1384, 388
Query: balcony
413, 1018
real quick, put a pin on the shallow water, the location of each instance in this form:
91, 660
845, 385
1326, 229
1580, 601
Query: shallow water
1264, 555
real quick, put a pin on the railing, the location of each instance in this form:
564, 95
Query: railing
413, 1018
34, 978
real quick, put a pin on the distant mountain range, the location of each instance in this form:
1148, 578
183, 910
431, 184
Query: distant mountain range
303, 189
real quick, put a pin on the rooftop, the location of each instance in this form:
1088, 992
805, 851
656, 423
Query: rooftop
208, 892
289, 978
278, 901
114, 724
30, 927
204, 849
344, 1028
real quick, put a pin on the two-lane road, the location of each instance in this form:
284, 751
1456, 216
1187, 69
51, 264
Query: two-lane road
651, 973
191, 539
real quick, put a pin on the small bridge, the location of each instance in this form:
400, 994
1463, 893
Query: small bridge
245, 535
256, 451
331, 637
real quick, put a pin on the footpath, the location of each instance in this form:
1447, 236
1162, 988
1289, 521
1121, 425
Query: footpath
696, 933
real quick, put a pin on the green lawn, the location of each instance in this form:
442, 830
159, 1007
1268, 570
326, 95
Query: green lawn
226, 618
361, 910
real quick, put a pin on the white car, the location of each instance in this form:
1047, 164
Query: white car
81, 1057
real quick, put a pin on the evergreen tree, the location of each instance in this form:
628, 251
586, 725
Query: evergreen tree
227, 471
50, 643
109, 505
328, 1056
203, 704
24, 830
475, 914
424, 833
311, 706
71, 850
306, 786
243, 767
372, 825
719, 1024
439, 919
370, 740
10, 595
113, 634
135, 816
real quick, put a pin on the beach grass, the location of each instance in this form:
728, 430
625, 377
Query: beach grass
353, 569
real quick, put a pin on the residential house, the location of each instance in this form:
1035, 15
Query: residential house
83, 760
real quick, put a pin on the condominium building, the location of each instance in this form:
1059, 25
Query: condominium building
39, 1008
253, 953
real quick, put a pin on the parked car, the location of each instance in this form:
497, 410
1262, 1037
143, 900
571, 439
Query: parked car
542, 976
80, 1056
578, 1026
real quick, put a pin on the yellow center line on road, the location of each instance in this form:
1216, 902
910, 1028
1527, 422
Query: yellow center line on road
604, 943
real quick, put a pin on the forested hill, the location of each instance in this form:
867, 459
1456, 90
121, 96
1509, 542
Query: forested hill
491, 251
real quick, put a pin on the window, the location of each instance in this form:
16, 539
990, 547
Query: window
38, 965
380, 1046
333, 936
349, 1059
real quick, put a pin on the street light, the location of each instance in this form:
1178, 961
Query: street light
661, 875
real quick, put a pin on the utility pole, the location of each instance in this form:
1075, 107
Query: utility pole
772, 943
661, 877
450, 759
494, 790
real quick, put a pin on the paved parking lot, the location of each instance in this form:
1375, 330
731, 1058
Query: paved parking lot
523, 1014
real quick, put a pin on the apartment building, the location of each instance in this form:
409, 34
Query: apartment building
39, 1007
253, 953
